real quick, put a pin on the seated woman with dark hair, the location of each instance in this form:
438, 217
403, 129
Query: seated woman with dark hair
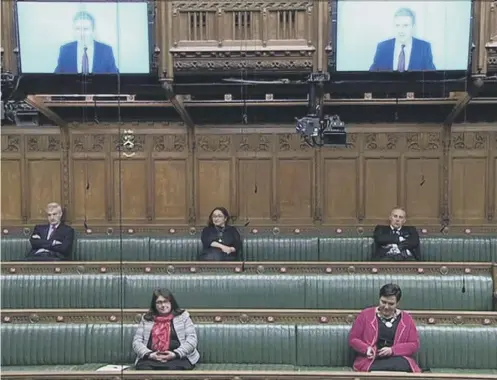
166, 338
385, 337
220, 241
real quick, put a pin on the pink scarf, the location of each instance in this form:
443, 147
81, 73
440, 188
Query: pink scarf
161, 333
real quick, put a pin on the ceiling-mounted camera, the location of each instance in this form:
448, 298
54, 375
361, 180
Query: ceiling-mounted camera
317, 129
326, 131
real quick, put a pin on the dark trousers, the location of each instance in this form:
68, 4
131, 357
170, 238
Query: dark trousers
216, 255
172, 365
40, 258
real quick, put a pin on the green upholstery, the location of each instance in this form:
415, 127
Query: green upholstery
61, 291
31, 344
272, 248
345, 249
219, 291
105, 248
459, 249
238, 347
276, 291
420, 292
468, 347
14, 248
177, 248
257, 248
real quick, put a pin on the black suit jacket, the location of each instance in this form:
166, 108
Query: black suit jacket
62, 233
103, 59
384, 235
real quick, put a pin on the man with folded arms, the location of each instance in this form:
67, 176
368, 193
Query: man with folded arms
396, 242
52, 241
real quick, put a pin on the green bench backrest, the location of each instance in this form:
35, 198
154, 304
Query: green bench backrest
28, 344
14, 248
62, 291
470, 347
276, 291
105, 248
185, 248
258, 248
282, 248
219, 291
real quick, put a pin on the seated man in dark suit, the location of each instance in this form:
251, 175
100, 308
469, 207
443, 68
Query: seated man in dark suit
404, 52
85, 55
52, 241
396, 241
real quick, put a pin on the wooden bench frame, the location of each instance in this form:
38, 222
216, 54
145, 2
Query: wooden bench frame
236, 375
243, 316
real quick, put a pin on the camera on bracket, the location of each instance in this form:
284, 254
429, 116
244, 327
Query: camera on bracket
328, 131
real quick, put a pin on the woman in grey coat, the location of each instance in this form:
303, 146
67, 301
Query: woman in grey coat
166, 338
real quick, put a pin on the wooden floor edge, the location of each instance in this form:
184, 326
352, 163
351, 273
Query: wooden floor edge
238, 375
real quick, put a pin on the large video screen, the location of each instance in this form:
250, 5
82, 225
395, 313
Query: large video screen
83, 37
409, 35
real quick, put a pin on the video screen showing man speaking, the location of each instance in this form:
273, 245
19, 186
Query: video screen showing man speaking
85, 54
83, 37
402, 36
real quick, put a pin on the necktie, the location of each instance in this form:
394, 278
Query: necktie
401, 67
85, 66
50, 232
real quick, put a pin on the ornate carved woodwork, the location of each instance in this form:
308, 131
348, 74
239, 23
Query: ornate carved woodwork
268, 177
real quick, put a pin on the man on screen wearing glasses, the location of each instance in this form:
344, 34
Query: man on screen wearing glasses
85, 55
404, 52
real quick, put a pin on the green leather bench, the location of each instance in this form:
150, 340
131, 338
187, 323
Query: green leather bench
440, 249
275, 291
230, 347
258, 248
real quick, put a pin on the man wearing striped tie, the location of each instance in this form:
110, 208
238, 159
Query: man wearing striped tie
396, 241
404, 52
85, 55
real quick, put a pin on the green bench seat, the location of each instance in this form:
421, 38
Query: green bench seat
229, 347
245, 291
258, 248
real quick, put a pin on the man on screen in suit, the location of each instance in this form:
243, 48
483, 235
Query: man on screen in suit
85, 55
396, 242
404, 52
52, 241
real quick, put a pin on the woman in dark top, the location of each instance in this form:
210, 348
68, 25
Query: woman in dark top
384, 337
165, 338
220, 241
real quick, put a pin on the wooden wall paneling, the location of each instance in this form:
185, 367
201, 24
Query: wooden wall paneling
340, 185
170, 199
421, 176
8, 38
43, 171
295, 180
130, 178
215, 184
13, 208
254, 177
382, 170
89, 176
468, 176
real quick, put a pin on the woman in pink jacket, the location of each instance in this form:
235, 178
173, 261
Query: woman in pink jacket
384, 337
